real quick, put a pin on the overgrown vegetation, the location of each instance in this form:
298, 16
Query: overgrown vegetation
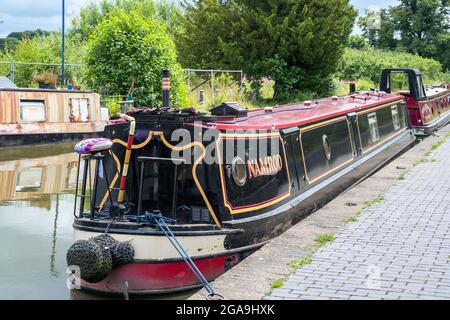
298, 263
11, 40
323, 239
45, 49
277, 283
375, 200
367, 64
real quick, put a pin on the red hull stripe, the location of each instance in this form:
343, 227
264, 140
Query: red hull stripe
159, 277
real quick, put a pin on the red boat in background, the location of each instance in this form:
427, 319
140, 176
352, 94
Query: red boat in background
428, 109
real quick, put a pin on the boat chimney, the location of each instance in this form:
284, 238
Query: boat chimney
166, 89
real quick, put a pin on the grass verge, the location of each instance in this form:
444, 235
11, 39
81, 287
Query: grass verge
298, 263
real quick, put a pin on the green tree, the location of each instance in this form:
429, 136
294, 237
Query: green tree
286, 40
8, 43
357, 42
91, 15
127, 46
423, 25
416, 26
30, 34
379, 29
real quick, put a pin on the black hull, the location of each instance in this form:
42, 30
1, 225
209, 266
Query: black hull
282, 218
257, 230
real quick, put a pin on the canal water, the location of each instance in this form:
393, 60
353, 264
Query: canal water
37, 186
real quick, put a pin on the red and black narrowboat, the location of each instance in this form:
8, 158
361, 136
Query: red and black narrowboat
227, 182
428, 109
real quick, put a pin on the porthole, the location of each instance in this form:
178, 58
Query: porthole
239, 171
326, 146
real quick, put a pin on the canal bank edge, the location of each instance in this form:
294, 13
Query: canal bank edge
254, 277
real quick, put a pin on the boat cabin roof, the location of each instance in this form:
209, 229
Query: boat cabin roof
296, 114
434, 91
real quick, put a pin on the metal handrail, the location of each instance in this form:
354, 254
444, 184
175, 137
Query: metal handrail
176, 162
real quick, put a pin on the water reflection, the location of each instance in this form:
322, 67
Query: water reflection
36, 205
35, 180
36, 214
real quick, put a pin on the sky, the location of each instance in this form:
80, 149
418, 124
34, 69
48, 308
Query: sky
20, 15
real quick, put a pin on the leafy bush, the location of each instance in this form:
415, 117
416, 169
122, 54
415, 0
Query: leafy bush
364, 84
113, 106
367, 64
45, 49
94, 13
127, 46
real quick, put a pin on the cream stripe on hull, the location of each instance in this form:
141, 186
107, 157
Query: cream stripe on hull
159, 247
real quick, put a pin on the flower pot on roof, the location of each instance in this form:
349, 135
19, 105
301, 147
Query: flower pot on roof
46, 80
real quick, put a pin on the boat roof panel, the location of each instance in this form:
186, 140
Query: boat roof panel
296, 114
430, 92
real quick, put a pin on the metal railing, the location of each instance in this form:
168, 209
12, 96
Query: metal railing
212, 73
192, 78
12, 65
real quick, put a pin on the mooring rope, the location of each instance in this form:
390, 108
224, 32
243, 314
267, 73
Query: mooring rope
161, 222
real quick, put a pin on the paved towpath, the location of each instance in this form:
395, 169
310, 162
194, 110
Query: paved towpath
399, 248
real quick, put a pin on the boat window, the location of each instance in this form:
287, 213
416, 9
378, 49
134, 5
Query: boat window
395, 117
29, 180
326, 146
420, 86
32, 110
373, 127
79, 111
239, 172
399, 83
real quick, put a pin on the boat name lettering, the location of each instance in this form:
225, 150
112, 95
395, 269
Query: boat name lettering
267, 166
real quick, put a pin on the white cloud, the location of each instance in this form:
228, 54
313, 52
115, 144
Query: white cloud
20, 15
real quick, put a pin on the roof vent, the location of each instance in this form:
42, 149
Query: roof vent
307, 103
334, 98
268, 109
229, 109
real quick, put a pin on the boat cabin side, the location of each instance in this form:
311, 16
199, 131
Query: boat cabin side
198, 175
36, 111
